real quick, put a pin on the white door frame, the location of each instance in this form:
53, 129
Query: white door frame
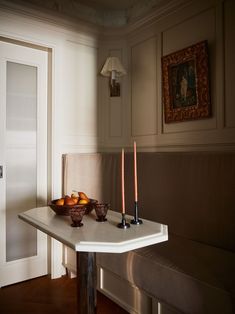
22, 37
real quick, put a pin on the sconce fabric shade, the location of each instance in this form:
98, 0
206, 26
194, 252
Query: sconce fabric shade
113, 69
113, 64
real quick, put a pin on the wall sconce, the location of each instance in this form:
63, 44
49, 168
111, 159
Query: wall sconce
113, 69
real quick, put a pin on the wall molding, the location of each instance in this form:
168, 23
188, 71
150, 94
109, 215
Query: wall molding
174, 148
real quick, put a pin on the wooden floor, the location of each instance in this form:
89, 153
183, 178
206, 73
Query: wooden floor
46, 296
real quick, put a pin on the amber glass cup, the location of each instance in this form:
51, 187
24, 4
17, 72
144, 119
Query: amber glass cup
76, 215
101, 210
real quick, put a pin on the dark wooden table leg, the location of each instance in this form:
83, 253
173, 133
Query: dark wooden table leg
86, 277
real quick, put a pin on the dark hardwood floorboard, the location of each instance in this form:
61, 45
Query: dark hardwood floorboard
43, 296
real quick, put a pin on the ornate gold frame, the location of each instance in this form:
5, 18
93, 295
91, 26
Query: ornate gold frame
185, 84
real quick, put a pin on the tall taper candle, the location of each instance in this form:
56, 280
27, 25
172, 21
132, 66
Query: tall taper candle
135, 173
136, 220
123, 183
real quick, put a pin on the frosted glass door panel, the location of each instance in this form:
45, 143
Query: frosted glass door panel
21, 159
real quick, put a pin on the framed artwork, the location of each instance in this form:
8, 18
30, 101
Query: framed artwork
185, 84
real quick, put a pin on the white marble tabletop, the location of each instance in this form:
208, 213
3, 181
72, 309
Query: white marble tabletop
96, 236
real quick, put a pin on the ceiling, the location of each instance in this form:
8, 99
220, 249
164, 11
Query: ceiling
107, 13
110, 4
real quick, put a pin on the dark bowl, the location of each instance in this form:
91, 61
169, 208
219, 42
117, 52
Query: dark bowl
65, 209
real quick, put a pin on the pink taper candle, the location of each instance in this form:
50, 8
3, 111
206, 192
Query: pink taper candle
135, 173
123, 183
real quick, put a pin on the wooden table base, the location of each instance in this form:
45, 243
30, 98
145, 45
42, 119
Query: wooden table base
86, 278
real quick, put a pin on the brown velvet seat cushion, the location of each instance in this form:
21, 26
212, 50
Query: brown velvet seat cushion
190, 276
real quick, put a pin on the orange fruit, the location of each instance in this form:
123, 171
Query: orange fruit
69, 201
60, 202
75, 198
83, 196
83, 202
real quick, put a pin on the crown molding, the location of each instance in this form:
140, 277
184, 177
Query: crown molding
159, 12
51, 18
103, 33
105, 22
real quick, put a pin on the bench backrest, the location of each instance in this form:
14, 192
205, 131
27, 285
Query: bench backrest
193, 193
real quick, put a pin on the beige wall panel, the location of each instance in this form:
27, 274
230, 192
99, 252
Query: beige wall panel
79, 90
190, 31
112, 110
115, 121
229, 30
198, 28
143, 88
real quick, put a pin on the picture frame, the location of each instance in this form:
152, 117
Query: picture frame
185, 84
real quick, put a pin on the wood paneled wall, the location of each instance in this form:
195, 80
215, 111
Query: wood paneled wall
138, 113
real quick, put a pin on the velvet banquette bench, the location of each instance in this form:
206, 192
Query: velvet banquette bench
194, 194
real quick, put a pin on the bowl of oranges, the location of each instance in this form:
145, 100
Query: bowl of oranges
78, 200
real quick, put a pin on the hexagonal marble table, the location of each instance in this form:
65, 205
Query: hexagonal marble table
91, 238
